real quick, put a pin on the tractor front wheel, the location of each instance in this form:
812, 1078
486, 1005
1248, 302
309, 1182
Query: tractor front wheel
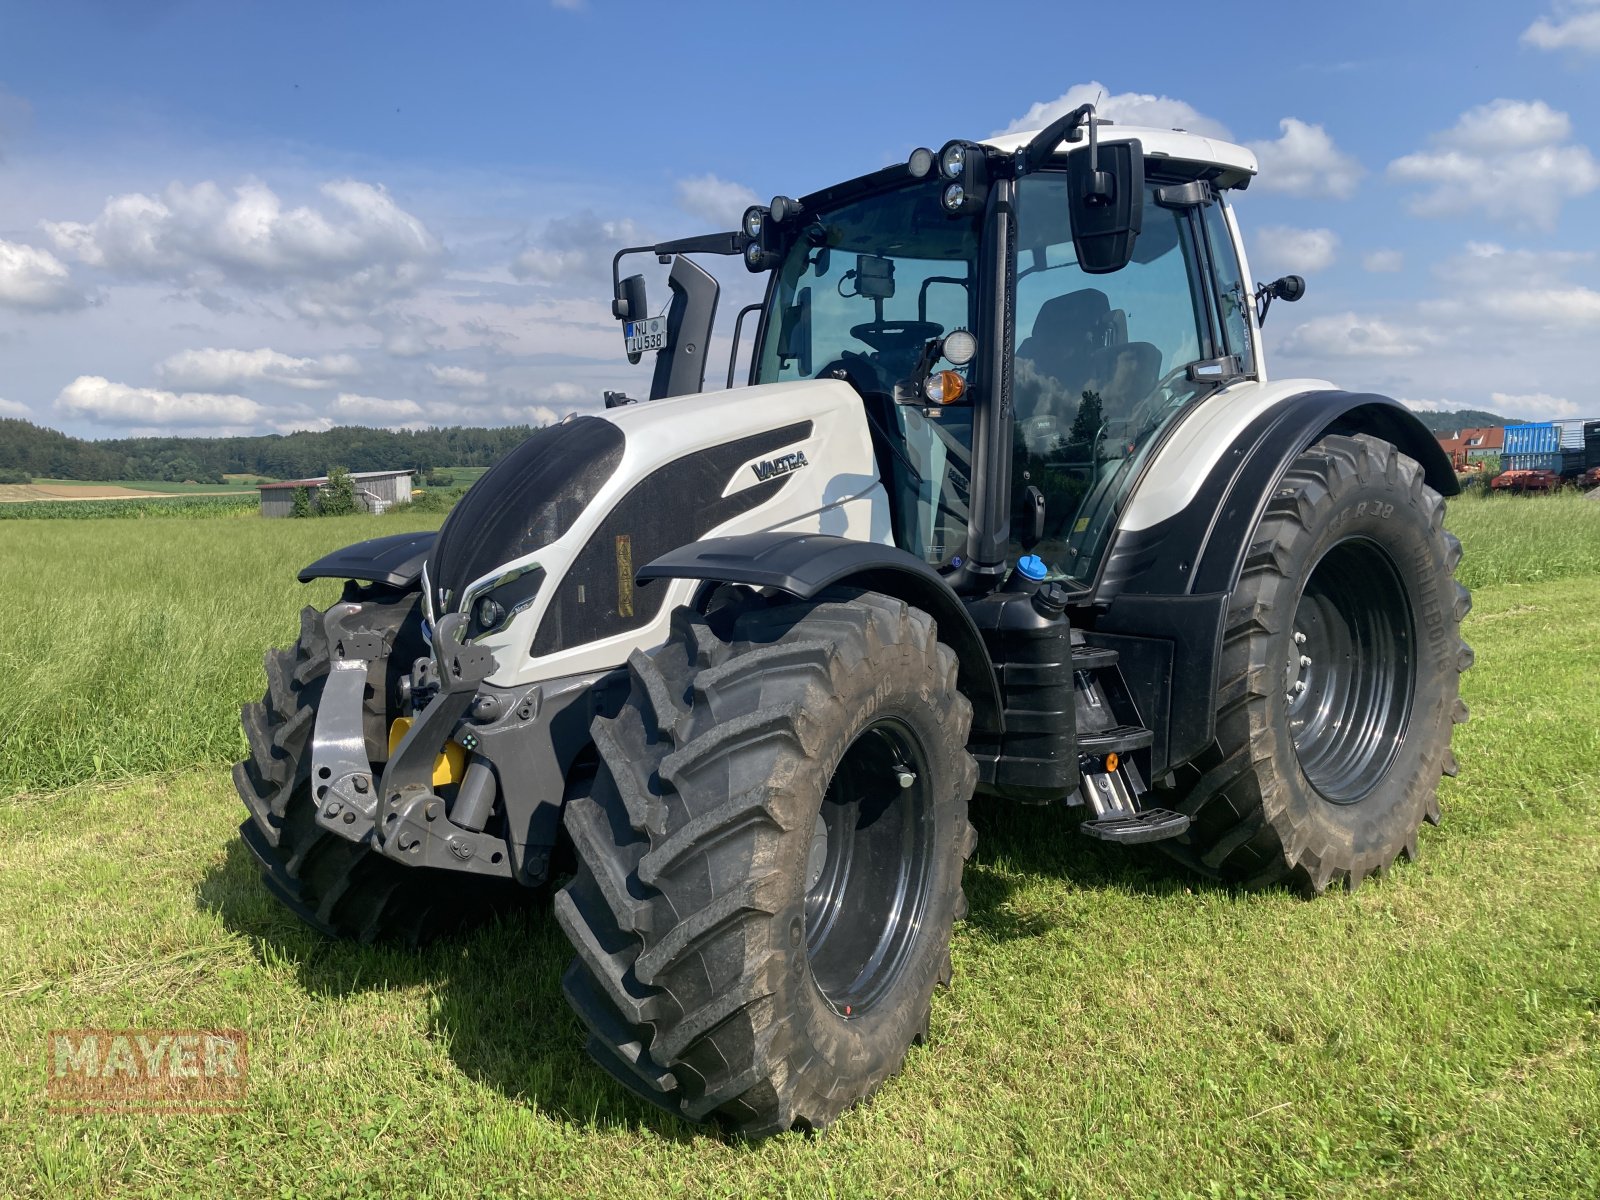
770, 858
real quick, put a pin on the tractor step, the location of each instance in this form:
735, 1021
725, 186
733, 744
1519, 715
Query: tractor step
1150, 825
1118, 738
1092, 658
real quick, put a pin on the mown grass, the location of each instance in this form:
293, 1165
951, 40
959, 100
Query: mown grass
1115, 1028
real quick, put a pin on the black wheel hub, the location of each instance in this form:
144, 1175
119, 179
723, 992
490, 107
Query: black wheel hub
1351, 671
870, 867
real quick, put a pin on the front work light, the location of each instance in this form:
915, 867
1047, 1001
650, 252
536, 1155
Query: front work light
953, 159
920, 164
754, 219
965, 168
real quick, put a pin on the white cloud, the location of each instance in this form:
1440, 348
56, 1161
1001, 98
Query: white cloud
1525, 287
1126, 108
11, 408
32, 278
97, 399
718, 201
578, 245
350, 407
458, 377
1572, 26
1383, 261
339, 261
1305, 162
1282, 248
1508, 159
1351, 335
212, 368
1534, 406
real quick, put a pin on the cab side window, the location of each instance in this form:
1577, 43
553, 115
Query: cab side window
1233, 291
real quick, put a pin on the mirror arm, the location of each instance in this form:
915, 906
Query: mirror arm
1043, 144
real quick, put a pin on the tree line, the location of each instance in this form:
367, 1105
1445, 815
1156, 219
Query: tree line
32, 450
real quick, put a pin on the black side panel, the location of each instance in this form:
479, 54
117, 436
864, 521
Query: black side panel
1169, 647
395, 560
674, 504
526, 500
802, 564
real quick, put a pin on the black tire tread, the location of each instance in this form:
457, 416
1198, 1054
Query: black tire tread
1242, 830
706, 706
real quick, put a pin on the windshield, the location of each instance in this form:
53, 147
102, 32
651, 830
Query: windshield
1101, 368
866, 285
861, 292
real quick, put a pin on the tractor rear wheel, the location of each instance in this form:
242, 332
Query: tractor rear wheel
1339, 679
770, 858
342, 888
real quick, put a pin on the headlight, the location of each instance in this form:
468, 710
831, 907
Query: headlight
753, 218
953, 160
954, 196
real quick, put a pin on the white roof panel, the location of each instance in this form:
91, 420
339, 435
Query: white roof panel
1157, 143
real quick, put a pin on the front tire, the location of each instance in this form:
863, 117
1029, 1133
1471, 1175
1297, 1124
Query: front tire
770, 859
1339, 678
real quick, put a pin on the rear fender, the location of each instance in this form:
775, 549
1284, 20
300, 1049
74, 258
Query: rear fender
1171, 568
803, 564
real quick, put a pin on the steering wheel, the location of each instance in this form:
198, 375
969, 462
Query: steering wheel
896, 337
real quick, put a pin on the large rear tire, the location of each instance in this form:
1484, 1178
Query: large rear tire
1339, 678
338, 887
770, 859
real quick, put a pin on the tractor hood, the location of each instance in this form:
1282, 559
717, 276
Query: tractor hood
542, 552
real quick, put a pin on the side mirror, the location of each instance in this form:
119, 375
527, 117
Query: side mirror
1288, 289
629, 304
1105, 197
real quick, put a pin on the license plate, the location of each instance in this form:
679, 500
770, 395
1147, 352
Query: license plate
648, 334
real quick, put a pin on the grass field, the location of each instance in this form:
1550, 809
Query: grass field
1116, 1028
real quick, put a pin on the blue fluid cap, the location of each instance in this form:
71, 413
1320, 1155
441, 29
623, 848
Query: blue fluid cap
1031, 566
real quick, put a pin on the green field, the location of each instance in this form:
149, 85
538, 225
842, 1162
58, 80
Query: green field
239, 483
1116, 1028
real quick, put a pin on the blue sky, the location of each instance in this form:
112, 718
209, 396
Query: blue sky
241, 217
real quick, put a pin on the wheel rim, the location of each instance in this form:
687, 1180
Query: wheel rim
870, 867
1351, 671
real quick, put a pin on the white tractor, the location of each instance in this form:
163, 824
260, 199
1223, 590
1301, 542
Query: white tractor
1010, 511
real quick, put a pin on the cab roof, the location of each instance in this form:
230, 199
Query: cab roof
1229, 165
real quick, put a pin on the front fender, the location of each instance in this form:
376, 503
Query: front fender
803, 564
395, 560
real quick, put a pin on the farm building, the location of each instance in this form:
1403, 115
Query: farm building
377, 490
1467, 447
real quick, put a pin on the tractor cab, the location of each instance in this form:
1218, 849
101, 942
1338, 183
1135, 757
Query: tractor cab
1023, 319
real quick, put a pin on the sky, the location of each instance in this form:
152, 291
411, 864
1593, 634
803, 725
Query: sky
252, 218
